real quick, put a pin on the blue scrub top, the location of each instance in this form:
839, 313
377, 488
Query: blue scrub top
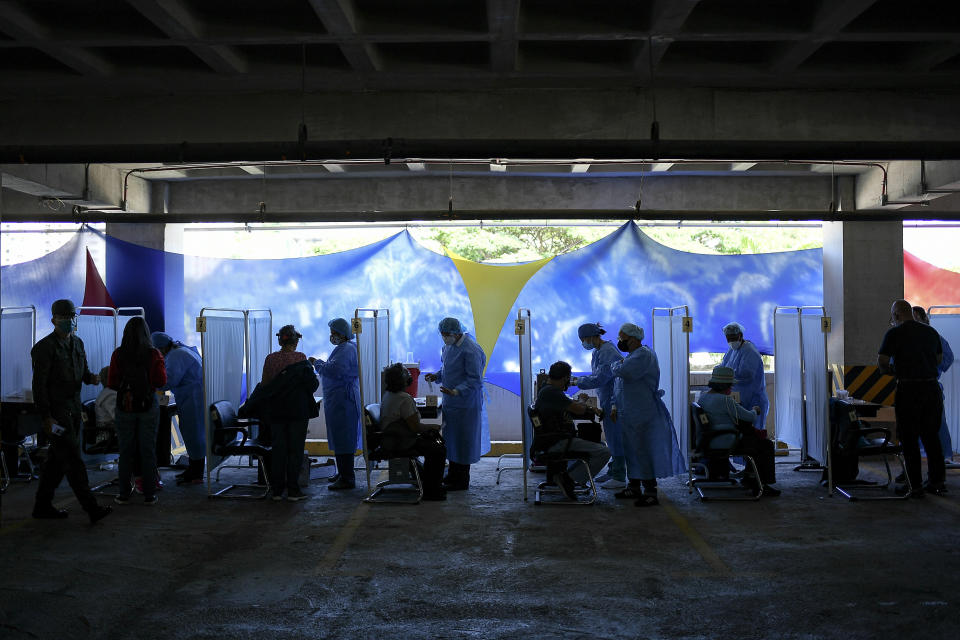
466, 429
340, 377
747, 368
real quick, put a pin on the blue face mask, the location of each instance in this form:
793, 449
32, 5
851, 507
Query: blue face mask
67, 326
589, 346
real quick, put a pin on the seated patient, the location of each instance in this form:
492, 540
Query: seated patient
398, 406
726, 414
557, 433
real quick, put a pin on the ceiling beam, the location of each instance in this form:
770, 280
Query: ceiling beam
502, 19
340, 21
831, 18
666, 19
18, 24
175, 19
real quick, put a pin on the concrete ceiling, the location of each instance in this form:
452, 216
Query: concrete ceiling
683, 105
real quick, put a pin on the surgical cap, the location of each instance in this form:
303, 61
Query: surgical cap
450, 325
589, 330
630, 329
160, 339
341, 326
732, 329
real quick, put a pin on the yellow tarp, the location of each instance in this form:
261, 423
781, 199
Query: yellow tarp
493, 289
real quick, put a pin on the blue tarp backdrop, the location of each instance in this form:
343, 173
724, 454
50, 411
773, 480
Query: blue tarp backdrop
617, 279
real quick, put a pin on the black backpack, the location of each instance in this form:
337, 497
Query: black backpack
135, 394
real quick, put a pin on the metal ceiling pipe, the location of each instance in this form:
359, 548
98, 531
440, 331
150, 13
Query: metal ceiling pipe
824, 150
480, 214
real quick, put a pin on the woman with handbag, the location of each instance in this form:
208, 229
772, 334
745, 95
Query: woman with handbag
136, 372
401, 421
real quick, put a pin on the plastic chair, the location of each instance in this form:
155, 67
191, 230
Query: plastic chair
403, 470
231, 437
558, 462
714, 445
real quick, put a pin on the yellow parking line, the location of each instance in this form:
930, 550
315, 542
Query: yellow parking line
705, 551
342, 541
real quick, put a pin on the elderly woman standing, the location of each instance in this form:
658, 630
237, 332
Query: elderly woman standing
340, 377
649, 443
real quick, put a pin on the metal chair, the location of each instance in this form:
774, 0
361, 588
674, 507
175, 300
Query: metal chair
403, 470
714, 444
558, 462
231, 436
851, 439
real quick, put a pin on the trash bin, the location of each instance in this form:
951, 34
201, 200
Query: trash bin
414, 369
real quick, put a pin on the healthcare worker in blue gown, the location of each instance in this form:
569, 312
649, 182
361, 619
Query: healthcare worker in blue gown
649, 442
465, 426
742, 356
185, 380
604, 353
340, 377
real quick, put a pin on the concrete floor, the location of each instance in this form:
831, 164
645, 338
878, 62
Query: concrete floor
484, 564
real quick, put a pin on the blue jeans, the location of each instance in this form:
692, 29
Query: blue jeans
286, 455
137, 433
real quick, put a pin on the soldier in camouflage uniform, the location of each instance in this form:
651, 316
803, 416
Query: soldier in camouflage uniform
59, 370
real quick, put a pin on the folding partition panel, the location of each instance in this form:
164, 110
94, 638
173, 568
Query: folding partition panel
100, 335
671, 343
802, 402
946, 320
259, 331
18, 334
816, 394
372, 330
788, 377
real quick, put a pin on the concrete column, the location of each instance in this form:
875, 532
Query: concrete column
862, 276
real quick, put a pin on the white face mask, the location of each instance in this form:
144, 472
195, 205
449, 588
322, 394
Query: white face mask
587, 345
736, 344
449, 340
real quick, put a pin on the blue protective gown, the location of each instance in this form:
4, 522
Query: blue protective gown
649, 442
605, 354
747, 368
185, 380
340, 377
465, 425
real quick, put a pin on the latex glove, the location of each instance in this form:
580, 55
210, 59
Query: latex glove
449, 392
430, 377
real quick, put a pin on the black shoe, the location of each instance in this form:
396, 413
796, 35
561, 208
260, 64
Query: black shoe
99, 513
647, 500
566, 484
936, 489
900, 479
341, 485
455, 487
770, 491
49, 512
334, 477
436, 495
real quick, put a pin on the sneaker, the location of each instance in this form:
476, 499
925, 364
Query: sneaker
122, 499
935, 489
150, 500
613, 483
770, 492
903, 490
602, 478
138, 485
296, 496
277, 497
342, 484
566, 484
